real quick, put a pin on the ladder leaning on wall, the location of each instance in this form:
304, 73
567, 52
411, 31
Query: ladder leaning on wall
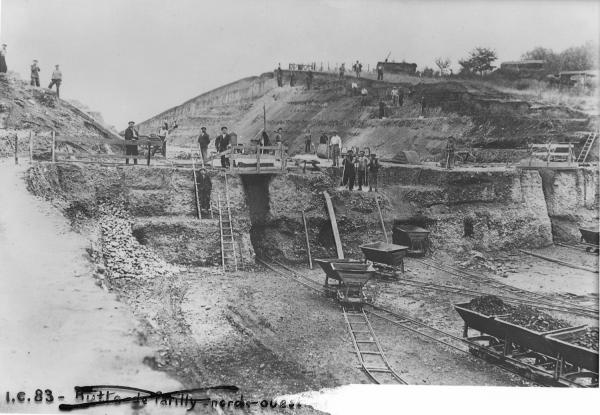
228, 256
589, 142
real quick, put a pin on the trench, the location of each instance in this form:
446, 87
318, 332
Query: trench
256, 192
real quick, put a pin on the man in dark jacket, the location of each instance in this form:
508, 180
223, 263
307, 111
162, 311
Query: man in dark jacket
203, 142
222, 143
279, 76
131, 134
349, 170
374, 167
309, 78
35, 74
204, 185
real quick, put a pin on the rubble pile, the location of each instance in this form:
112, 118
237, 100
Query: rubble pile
587, 338
534, 319
124, 256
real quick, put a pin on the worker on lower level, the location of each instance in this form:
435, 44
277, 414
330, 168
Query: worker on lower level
450, 153
335, 144
204, 185
362, 166
131, 134
349, 175
374, 167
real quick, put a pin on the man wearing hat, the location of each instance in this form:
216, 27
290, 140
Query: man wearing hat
3, 67
203, 142
222, 143
35, 74
131, 150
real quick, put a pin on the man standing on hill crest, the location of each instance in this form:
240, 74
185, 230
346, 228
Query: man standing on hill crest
35, 74
3, 67
57, 80
279, 76
380, 72
203, 142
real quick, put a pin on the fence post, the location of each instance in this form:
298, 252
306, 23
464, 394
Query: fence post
30, 147
16, 148
53, 147
149, 152
258, 150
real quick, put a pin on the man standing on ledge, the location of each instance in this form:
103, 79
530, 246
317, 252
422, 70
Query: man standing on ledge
3, 67
203, 142
222, 143
130, 134
56, 80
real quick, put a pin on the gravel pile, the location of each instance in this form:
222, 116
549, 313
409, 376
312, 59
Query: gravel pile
534, 319
587, 338
124, 256
490, 305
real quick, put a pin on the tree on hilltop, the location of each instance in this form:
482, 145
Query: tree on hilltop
443, 64
479, 61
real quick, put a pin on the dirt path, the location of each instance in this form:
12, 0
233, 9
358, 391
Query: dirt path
57, 328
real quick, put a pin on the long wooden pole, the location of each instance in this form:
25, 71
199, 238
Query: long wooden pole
53, 147
334, 228
30, 147
16, 149
265, 118
196, 190
381, 218
307, 242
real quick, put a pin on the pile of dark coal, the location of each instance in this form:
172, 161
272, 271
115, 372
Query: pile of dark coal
490, 305
534, 319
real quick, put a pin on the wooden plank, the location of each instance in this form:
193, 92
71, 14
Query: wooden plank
307, 242
30, 147
99, 140
334, 228
100, 156
382, 222
53, 146
16, 149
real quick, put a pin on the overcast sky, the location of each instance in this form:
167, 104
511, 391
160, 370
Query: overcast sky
131, 59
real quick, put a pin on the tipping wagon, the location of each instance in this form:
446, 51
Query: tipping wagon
326, 265
415, 237
548, 353
353, 277
385, 253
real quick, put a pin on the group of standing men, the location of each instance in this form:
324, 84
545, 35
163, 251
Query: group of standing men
56, 78
360, 170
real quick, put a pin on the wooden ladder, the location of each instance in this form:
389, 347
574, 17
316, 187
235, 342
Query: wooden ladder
589, 142
228, 256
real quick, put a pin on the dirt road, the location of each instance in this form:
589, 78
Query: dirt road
57, 328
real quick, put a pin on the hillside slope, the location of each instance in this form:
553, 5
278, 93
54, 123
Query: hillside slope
25, 109
475, 114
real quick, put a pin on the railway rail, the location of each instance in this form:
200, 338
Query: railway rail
533, 298
508, 299
581, 246
368, 350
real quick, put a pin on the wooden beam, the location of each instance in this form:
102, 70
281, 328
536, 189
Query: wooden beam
307, 242
334, 228
382, 222
558, 261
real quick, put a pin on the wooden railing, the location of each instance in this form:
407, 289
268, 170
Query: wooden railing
258, 157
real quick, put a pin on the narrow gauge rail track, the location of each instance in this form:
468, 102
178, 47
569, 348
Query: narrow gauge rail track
534, 373
534, 298
514, 300
371, 358
581, 246
368, 350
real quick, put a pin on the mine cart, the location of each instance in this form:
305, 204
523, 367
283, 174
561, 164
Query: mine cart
416, 238
384, 253
589, 235
326, 265
352, 277
549, 352
563, 344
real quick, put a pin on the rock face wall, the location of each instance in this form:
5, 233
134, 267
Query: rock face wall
572, 200
463, 209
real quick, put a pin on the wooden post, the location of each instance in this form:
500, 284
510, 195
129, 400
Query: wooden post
149, 153
258, 158
334, 228
382, 223
53, 147
307, 242
16, 149
30, 147
264, 118
196, 190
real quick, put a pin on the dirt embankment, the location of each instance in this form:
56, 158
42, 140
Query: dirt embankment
475, 115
